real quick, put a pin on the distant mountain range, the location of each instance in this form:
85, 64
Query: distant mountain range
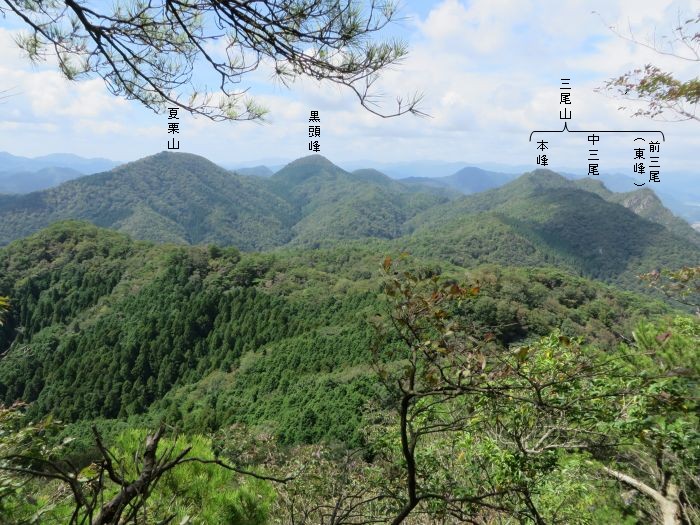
24, 175
83, 165
677, 192
28, 181
538, 218
466, 181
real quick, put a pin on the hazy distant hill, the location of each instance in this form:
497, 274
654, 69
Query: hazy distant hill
257, 171
28, 181
467, 180
10, 162
407, 169
24, 175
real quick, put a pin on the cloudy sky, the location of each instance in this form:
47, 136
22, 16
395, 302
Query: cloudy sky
490, 71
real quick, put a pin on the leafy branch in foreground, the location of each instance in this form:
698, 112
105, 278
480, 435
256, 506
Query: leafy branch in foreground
478, 428
659, 428
151, 51
682, 286
119, 487
662, 92
332, 485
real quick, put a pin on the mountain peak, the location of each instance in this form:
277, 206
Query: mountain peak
176, 156
172, 160
537, 180
641, 200
315, 160
546, 177
308, 168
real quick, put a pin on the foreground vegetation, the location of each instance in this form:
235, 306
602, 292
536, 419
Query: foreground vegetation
309, 387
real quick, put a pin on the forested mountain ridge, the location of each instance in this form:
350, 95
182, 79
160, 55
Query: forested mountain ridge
540, 218
333, 204
543, 218
104, 326
184, 198
167, 197
645, 203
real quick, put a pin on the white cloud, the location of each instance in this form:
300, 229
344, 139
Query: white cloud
490, 71
473, 27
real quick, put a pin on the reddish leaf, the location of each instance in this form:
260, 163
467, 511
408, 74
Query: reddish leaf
387, 263
661, 338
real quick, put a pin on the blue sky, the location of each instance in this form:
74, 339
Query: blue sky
490, 71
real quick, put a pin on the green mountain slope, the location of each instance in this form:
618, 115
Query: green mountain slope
540, 218
544, 218
169, 197
645, 203
184, 198
333, 204
103, 326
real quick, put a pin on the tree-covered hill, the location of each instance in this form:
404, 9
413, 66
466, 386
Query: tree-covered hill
183, 198
333, 204
543, 218
104, 326
165, 198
